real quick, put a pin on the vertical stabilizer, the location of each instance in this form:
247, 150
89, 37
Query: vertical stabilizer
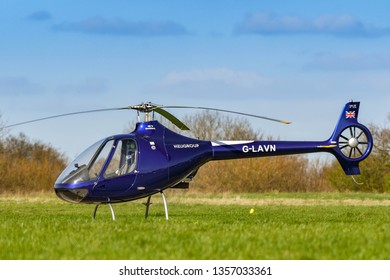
353, 140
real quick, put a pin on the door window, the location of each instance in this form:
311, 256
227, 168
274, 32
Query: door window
100, 159
124, 159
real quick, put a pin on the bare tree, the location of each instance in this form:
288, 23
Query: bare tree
3, 130
210, 125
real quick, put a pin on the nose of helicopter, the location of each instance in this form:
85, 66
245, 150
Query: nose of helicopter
72, 195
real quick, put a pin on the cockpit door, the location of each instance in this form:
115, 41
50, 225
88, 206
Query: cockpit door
119, 172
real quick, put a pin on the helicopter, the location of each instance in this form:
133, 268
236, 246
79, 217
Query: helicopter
153, 158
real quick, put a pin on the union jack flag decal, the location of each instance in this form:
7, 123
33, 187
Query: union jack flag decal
349, 114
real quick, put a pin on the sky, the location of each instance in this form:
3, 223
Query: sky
294, 60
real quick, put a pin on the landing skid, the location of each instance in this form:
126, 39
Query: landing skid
109, 204
147, 204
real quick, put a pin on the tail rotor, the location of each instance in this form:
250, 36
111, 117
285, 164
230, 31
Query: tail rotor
353, 140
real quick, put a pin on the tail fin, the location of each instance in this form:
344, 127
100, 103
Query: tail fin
352, 141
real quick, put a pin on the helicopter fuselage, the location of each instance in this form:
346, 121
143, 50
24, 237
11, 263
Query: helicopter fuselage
163, 159
153, 158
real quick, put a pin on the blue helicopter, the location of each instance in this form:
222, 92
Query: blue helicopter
153, 158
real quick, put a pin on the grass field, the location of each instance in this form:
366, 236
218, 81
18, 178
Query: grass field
200, 227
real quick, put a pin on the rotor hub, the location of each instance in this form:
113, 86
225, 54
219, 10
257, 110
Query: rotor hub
144, 107
353, 142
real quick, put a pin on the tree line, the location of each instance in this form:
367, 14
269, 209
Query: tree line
28, 166
33, 166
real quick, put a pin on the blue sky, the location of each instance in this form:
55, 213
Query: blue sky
295, 60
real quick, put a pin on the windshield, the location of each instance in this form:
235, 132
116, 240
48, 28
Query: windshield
85, 166
88, 165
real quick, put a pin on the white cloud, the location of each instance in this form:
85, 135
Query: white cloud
120, 27
244, 79
349, 62
341, 25
89, 86
19, 86
40, 15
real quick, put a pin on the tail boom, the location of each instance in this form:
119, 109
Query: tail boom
351, 142
249, 149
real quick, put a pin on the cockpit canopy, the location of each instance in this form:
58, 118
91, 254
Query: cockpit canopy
109, 158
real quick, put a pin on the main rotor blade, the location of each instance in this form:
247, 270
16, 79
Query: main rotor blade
171, 118
227, 111
67, 114
147, 108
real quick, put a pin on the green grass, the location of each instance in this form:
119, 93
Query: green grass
287, 226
